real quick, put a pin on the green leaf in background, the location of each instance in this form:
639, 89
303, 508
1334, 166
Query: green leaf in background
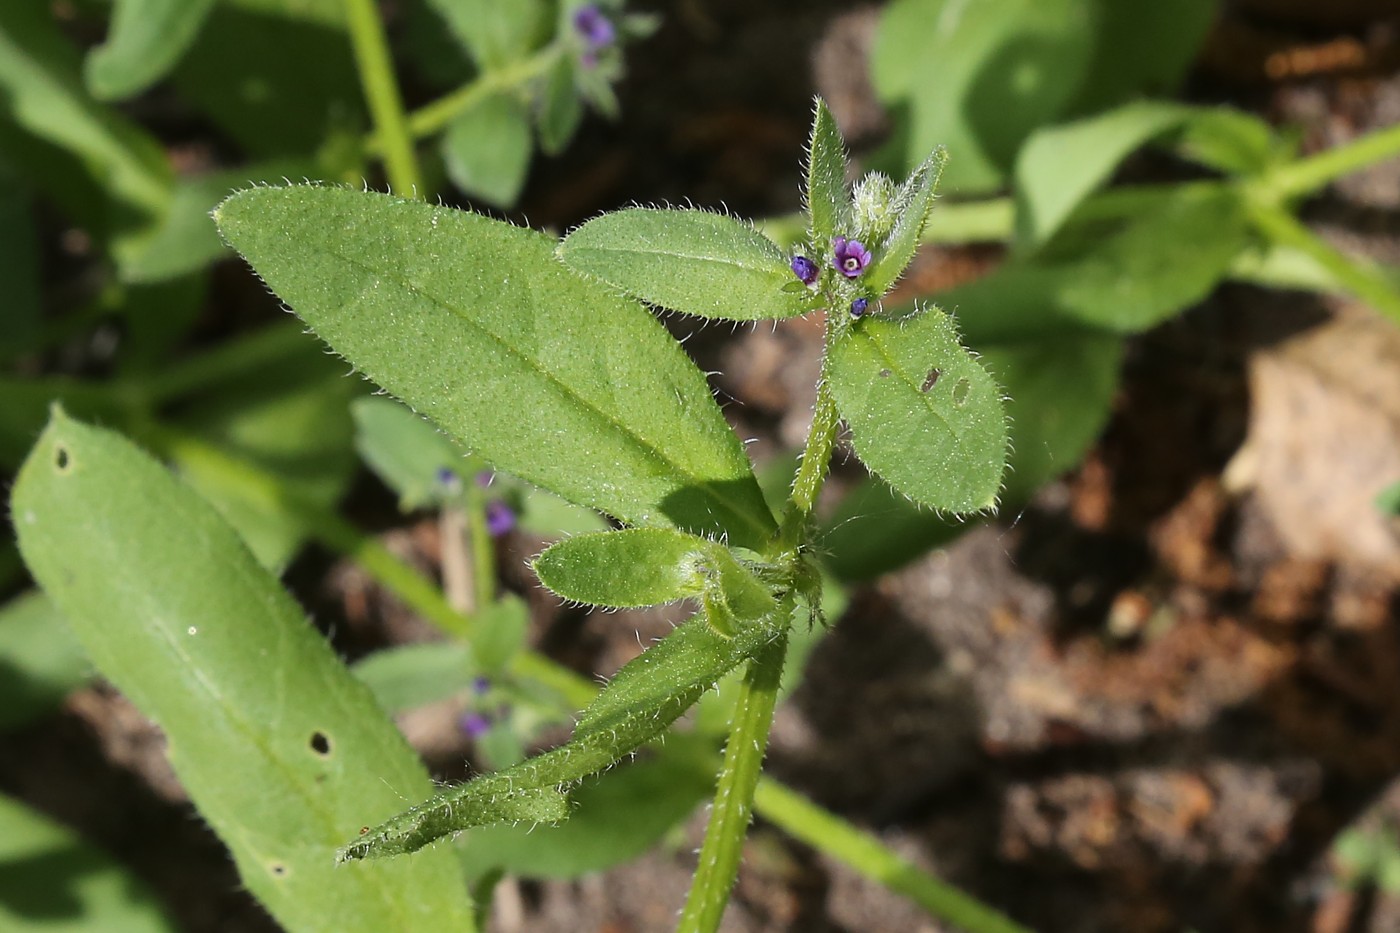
185, 240
978, 77
145, 40
693, 261
487, 149
53, 881
40, 660
924, 415
495, 33
1059, 166
290, 419
646, 696
616, 818
276, 75
828, 200
912, 205
1232, 141
473, 321
41, 92
650, 566
1142, 50
1388, 501
559, 111
408, 676
19, 270
283, 752
406, 451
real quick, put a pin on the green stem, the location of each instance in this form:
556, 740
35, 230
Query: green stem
733, 805
382, 94
434, 117
483, 549
1308, 175
817, 827
816, 454
244, 355
1364, 282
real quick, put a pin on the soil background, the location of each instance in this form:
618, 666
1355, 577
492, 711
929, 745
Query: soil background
1149, 701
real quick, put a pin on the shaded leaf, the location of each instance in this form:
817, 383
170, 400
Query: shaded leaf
145, 40
406, 451
487, 149
405, 677
279, 747
40, 660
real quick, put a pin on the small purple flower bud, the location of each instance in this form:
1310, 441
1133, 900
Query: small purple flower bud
475, 725
480, 685
448, 479
805, 269
596, 30
850, 256
858, 307
500, 520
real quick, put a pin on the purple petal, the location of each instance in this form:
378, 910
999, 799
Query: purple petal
858, 307
475, 725
500, 520
805, 269
594, 28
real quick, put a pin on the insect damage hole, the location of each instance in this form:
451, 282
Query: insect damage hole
961, 389
320, 743
61, 460
931, 379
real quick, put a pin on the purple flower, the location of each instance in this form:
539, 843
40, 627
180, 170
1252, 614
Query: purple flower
499, 518
447, 478
596, 30
805, 269
475, 725
851, 257
858, 307
480, 685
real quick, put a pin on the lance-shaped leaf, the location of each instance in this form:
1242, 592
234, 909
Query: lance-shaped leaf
912, 205
649, 566
923, 412
281, 749
646, 696
474, 323
696, 262
828, 202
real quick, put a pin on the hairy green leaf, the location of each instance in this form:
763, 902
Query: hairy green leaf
487, 150
696, 262
145, 40
828, 200
645, 697
40, 660
912, 205
52, 880
280, 748
474, 322
650, 566
923, 413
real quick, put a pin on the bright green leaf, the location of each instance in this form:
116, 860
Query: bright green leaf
924, 415
828, 201
645, 697
40, 660
145, 40
283, 752
487, 149
1231, 141
912, 205
1059, 166
473, 322
647, 567
696, 262
53, 881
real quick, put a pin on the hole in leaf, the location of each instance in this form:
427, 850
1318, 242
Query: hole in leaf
320, 743
961, 389
61, 459
931, 379
278, 870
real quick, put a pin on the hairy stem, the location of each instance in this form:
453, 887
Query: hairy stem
382, 94
733, 805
